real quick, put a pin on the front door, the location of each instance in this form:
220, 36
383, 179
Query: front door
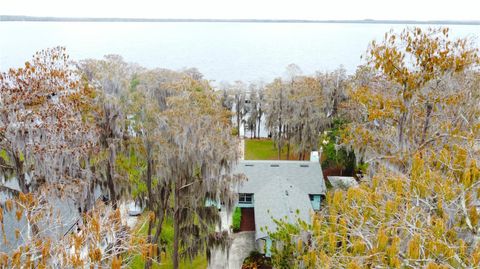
248, 220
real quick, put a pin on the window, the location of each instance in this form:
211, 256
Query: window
316, 201
245, 198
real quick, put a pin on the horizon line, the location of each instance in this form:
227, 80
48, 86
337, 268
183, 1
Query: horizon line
121, 19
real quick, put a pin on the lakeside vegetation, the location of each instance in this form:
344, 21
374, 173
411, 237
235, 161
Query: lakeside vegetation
407, 122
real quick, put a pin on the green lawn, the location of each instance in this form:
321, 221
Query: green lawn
264, 149
167, 234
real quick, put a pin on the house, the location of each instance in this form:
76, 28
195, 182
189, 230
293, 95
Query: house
278, 189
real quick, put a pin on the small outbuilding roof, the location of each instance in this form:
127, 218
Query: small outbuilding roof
340, 182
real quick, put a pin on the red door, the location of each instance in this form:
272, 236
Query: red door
248, 220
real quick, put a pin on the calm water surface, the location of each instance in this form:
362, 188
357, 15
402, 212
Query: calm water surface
221, 51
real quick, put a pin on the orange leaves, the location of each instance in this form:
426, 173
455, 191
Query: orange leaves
76, 261
95, 254
117, 262
19, 214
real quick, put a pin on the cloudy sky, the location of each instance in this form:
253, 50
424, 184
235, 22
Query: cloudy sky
250, 9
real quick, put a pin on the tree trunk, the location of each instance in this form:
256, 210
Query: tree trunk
111, 186
427, 122
335, 101
20, 174
158, 232
151, 222
149, 182
176, 216
259, 123
401, 130
288, 150
238, 125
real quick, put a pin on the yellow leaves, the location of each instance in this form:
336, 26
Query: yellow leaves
338, 199
438, 227
390, 209
359, 247
392, 253
473, 215
299, 246
413, 249
332, 242
471, 174
476, 256
433, 265
353, 265
418, 166
382, 240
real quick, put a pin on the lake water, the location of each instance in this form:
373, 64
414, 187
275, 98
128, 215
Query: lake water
221, 51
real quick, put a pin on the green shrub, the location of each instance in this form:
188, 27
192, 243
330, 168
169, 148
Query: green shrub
341, 157
234, 131
236, 219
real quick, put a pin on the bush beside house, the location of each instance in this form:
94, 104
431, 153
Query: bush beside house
236, 219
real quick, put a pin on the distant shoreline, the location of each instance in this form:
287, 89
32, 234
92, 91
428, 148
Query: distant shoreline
366, 21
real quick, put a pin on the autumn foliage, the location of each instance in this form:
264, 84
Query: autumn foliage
415, 121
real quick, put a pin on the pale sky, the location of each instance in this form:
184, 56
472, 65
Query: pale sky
250, 9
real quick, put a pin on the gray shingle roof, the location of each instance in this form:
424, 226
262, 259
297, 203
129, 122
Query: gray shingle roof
303, 174
279, 199
281, 190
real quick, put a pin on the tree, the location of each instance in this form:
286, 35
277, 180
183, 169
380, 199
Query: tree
420, 79
238, 92
147, 100
334, 86
112, 77
47, 137
46, 133
307, 116
99, 239
197, 158
295, 114
419, 123
260, 107
253, 110
275, 112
